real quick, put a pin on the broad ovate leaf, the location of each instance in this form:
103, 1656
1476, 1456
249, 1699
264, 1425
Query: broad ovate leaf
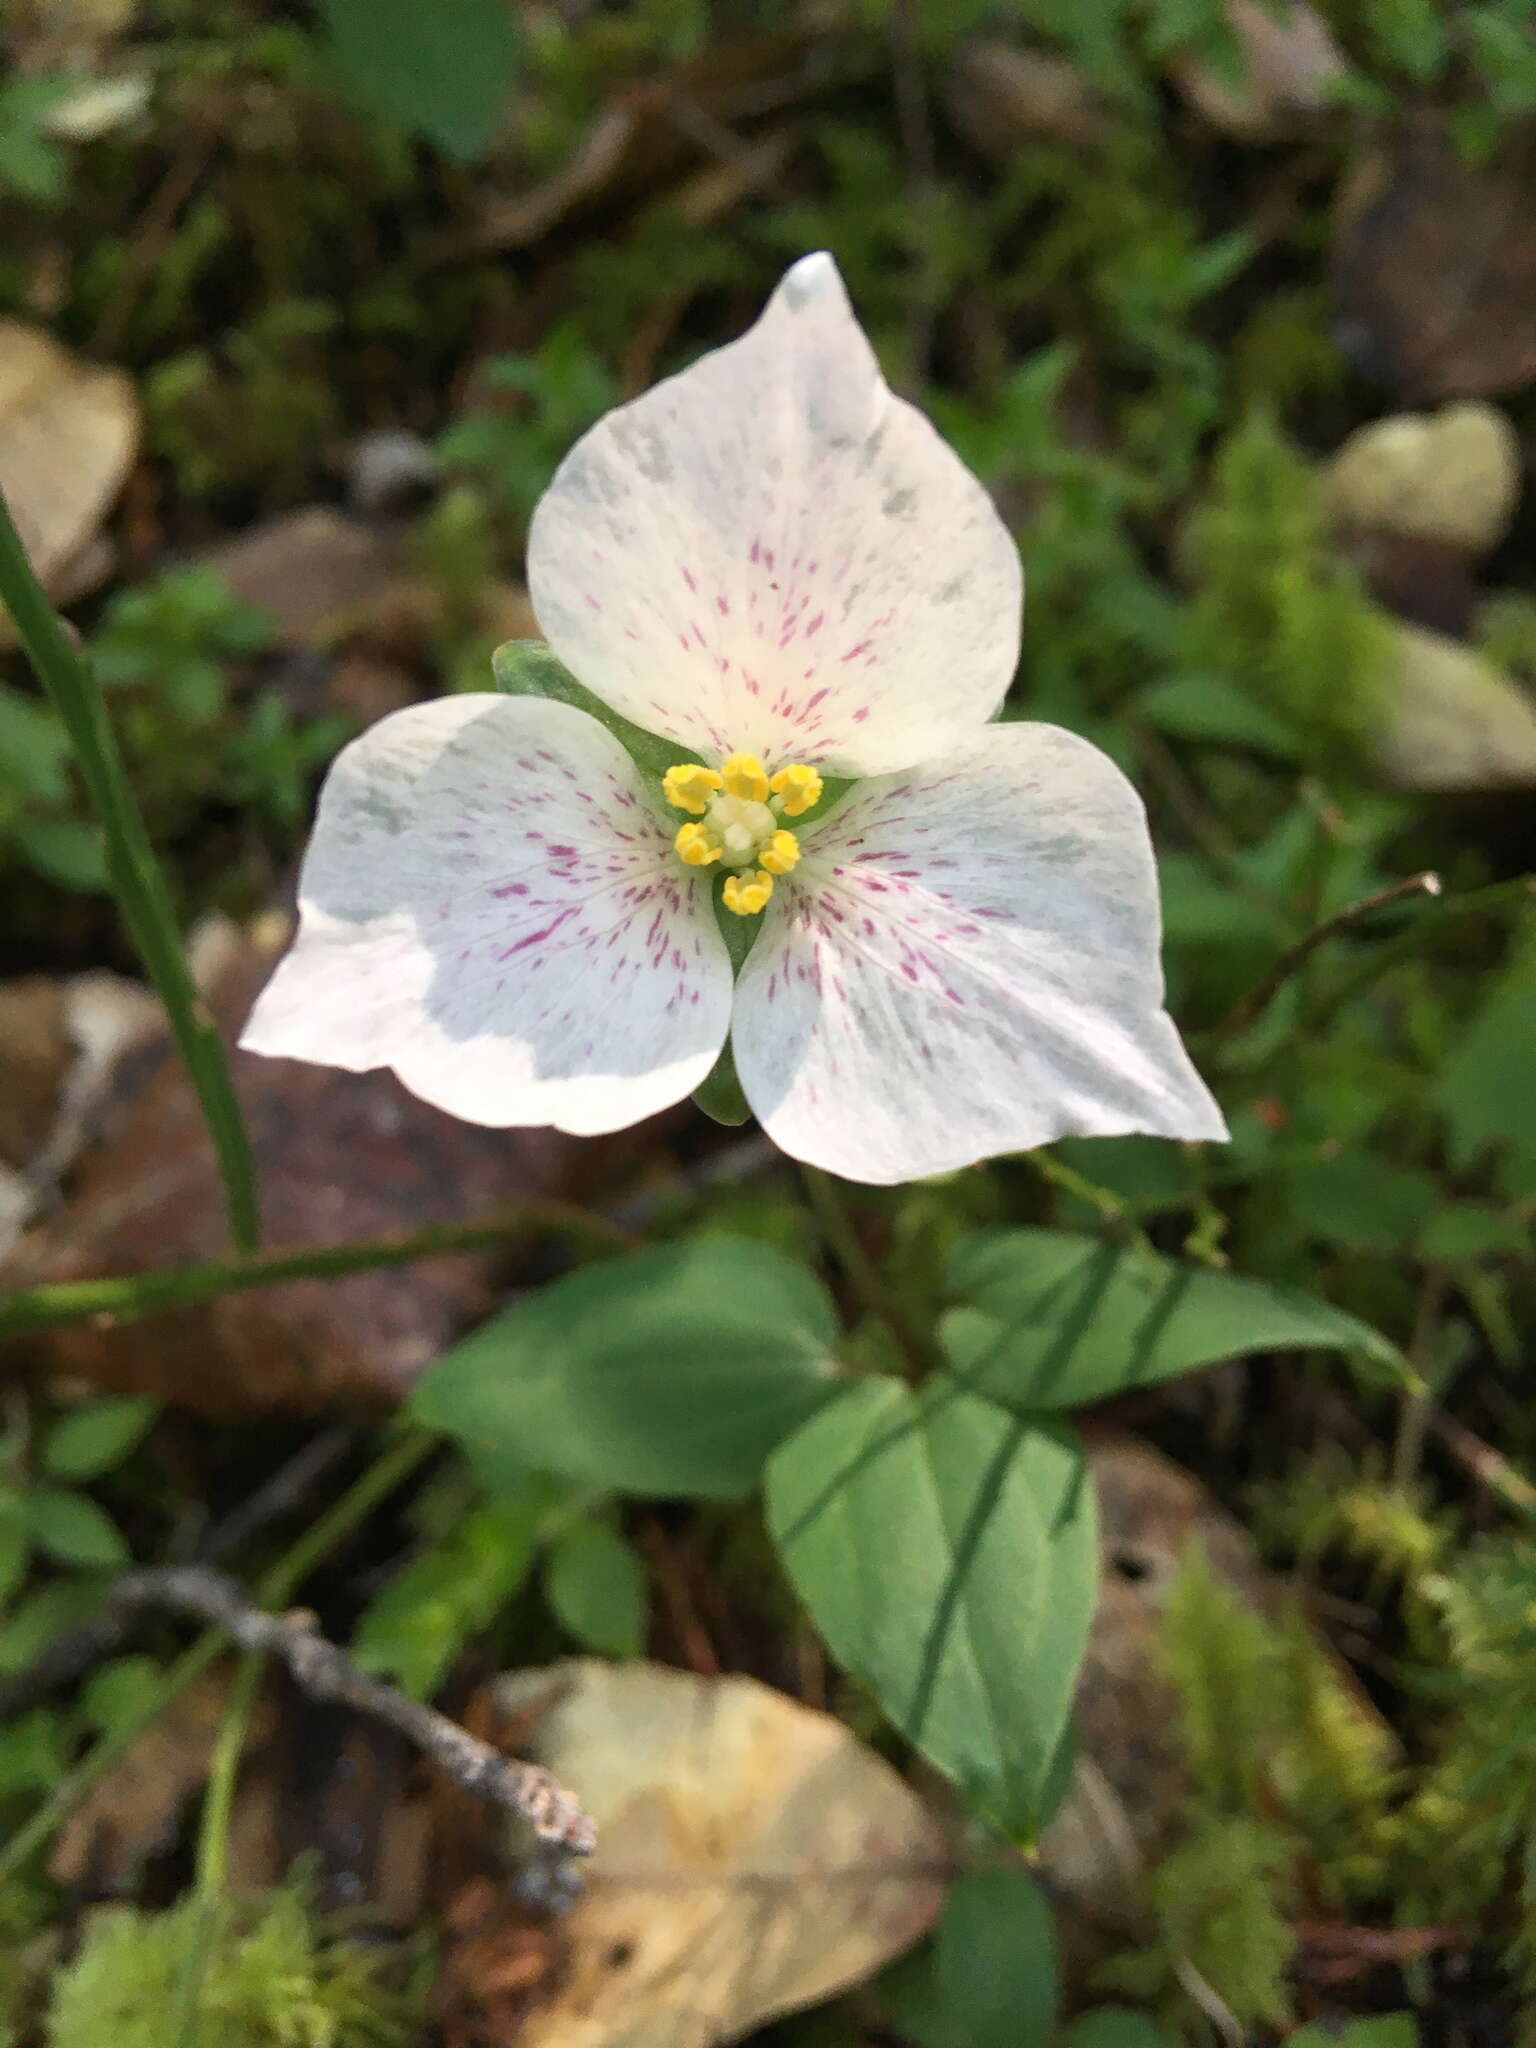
946, 1552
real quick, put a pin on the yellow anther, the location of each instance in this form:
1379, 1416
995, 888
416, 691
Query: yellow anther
797, 788
688, 787
780, 854
746, 776
697, 845
746, 894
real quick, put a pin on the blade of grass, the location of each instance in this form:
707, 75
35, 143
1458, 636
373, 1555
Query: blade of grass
26, 1309
134, 872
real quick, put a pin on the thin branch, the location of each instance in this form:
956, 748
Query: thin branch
1259, 999
26, 1309
66, 1659
401, 1456
1489, 1467
325, 1672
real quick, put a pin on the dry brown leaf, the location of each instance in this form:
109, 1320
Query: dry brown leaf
1291, 65
1003, 99
1454, 721
753, 1857
1434, 267
68, 431
136, 1811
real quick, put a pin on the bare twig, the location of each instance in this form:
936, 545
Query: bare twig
325, 1672
1259, 999
67, 1658
1487, 1466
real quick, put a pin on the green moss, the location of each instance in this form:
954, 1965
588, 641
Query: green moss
1291, 1786
273, 1979
1275, 612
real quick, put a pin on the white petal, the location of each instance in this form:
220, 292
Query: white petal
965, 963
772, 552
490, 906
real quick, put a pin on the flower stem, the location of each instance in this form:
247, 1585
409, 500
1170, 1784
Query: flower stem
834, 1219
136, 878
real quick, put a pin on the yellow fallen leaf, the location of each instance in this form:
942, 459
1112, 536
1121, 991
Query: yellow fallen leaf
753, 1855
68, 431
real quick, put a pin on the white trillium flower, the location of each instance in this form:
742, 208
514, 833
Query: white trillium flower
777, 565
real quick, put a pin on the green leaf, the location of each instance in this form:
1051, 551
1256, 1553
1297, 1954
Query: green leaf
988, 1977
1463, 1232
1055, 1320
528, 668
596, 1587
73, 1529
674, 1371
1386, 2030
996, 1962
15, 1542
92, 1439
1114, 2026
453, 1589
946, 1552
1209, 708
121, 1693
43, 1615
33, 748
444, 71
63, 850
34, 1754
1484, 1086
1359, 1201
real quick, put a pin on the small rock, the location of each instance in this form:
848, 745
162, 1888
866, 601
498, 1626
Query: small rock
338, 1157
391, 470
1451, 476
1434, 265
1454, 721
316, 572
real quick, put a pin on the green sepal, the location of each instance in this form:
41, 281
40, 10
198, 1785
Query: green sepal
719, 1093
528, 668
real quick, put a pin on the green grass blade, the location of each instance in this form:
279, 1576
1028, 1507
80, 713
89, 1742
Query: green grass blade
137, 882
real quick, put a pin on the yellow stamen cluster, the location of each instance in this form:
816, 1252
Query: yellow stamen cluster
738, 807
797, 788
697, 845
780, 854
747, 894
745, 776
688, 787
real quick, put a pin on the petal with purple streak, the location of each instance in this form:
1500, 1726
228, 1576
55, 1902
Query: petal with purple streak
966, 962
490, 906
773, 552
